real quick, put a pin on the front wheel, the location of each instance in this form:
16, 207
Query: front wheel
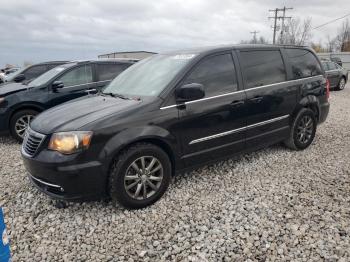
303, 130
139, 176
20, 122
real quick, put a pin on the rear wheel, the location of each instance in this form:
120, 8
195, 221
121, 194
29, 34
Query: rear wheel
303, 130
20, 121
341, 84
140, 176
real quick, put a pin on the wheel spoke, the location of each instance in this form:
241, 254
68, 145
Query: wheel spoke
144, 190
136, 168
132, 185
153, 186
156, 169
155, 178
143, 163
131, 177
151, 164
138, 190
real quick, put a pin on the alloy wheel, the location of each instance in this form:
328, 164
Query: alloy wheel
342, 84
22, 124
143, 177
305, 129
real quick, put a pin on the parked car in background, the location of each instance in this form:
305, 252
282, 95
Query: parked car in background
172, 112
336, 60
31, 72
7, 71
20, 103
336, 75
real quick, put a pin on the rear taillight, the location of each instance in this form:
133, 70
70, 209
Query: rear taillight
327, 88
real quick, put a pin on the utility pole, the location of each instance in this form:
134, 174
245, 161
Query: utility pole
254, 36
276, 17
275, 24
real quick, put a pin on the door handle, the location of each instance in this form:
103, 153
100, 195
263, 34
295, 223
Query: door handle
256, 100
93, 90
237, 103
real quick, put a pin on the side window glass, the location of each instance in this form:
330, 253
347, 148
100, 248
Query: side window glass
109, 71
304, 63
35, 71
217, 75
262, 67
78, 76
331, 66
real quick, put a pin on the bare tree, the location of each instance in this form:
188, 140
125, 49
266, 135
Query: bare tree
342, 40
297, 32
330, 45
255, 40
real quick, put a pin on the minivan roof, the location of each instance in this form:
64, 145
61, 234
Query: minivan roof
206, 49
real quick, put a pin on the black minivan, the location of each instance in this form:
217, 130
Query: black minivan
21, 102
172, 112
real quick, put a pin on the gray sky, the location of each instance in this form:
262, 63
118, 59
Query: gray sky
43, 30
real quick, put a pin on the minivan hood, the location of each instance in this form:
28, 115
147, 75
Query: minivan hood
77, 113
10, 88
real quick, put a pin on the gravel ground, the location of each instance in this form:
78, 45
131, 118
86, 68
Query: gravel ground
274, 204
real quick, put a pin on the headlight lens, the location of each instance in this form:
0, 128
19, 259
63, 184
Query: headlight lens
70, 142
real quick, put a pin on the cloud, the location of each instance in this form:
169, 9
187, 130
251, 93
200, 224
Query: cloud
70, 29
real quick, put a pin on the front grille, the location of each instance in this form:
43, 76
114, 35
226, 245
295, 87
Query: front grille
31, 142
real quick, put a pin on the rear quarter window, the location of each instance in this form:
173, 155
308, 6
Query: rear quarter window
303, 63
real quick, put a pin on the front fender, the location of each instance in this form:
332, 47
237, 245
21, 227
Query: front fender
138, 134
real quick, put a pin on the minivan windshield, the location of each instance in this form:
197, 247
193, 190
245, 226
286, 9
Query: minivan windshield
44, 78
148, 77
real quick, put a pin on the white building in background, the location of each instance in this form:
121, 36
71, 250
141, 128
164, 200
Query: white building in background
129, 55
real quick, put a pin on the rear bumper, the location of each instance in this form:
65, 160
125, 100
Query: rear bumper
67, 180
324, 110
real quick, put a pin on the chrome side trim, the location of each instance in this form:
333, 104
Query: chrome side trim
237, 130
45, 183
240, 91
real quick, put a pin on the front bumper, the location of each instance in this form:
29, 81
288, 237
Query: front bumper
4, 122
63, 177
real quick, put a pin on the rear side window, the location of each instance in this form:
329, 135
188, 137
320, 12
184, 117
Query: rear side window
304, 63
109, 71
262, 67
331, 66
77, 76
35, 71
217, 75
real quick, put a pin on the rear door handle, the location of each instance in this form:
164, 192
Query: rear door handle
256, 100
237, 103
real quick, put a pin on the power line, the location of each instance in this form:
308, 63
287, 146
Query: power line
331, 21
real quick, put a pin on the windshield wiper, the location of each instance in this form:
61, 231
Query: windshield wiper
117, 95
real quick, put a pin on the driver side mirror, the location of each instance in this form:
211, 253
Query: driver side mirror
190, 92
19, 78
57, 85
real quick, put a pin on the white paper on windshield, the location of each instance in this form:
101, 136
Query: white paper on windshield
59, 69
183, 56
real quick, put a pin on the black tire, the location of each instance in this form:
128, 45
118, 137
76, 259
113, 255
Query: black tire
122, 167
295, 140
16, 117
341, 84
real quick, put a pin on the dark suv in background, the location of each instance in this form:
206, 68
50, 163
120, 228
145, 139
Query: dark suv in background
31, 72
20, 103
172, 112
336, 75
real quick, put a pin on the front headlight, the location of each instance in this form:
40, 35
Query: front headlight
70, 142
